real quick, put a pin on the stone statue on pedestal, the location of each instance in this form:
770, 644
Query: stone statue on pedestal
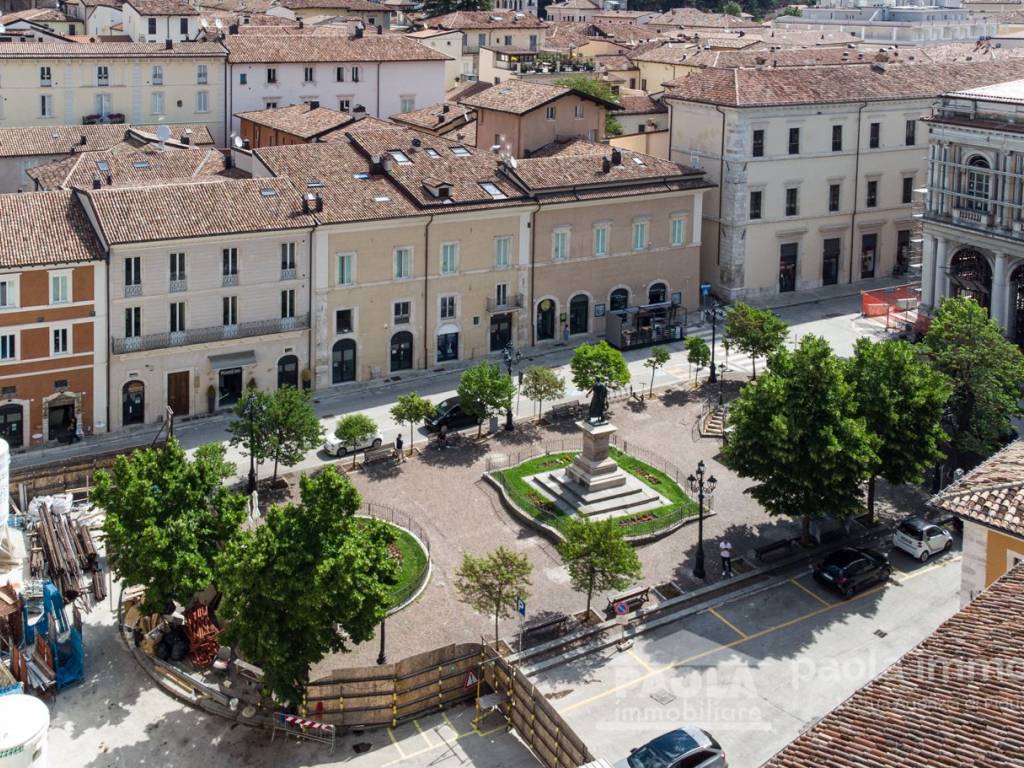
598, 403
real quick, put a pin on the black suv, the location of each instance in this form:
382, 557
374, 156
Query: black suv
849, 569
450, 414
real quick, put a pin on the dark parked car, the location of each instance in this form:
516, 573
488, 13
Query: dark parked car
686, 747
450, 414
849, 570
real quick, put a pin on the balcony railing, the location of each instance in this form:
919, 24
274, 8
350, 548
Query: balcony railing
132, 290
511, 302
229, 280
177, 286
210, 334
289, 274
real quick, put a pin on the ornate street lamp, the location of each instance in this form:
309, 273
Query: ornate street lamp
512, 357
715, 309
699, 485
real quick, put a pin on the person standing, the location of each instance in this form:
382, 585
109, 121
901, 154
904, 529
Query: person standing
725, 551
399, 446
442, 436
73, 429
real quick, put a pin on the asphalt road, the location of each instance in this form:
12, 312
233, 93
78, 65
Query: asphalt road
755, 672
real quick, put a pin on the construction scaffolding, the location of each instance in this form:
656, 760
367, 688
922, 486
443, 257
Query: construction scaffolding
894, 308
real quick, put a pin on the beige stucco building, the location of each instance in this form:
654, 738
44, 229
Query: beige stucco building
144, 83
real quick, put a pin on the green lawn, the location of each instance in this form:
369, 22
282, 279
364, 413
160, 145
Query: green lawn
412, 562
543, 510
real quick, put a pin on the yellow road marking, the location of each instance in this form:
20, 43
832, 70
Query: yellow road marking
391, 733
817, 597
451, 725
444, 743
727, 623
422, 733
639, 661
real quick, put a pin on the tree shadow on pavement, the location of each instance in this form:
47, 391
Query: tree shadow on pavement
464, 452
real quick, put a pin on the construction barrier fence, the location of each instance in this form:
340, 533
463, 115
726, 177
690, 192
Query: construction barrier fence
894, 307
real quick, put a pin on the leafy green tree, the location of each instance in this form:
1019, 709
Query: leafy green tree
698, 353
757, 332
490, 584
313, 579
797, 434
901, 399
412, 409
250, 428
599, 89
166, 517
293, 426
485, 391
433, 8
986, 372
659, 356
732, 8
354, 430
598, 362
598, 557
791, 10
540, 384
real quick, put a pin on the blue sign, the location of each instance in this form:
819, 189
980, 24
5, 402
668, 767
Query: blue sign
521, 606
705, 289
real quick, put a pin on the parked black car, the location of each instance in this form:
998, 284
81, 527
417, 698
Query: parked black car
850, 569
450, 414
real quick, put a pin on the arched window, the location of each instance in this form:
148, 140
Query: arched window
971, 276
288, 372
545, 320
133, 403
401, 351
12, 427
579, 313
977, 184
343, 361
619, 299
657, 293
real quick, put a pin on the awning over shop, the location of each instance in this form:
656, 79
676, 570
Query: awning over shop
232, 360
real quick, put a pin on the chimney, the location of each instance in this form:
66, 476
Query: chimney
380, 29
229, 161
301, 24
96, 183
386, 163
359, 33
246, 144
186, 140
440, 119
446, 108
81, 141
319, 207
616, 156
606, 165
314, 105
375, 165
232, 29
168, 44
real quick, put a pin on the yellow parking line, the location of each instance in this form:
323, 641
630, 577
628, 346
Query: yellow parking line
819, 598
422, 733
451, 725
391, 733
728, 623
640, 661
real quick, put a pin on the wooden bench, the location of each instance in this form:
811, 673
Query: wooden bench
566, 411
767, 549
554, 626
371, 455
633, 599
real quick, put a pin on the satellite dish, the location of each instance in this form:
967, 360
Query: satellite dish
218, 24
163, 133
238, 142
513, 163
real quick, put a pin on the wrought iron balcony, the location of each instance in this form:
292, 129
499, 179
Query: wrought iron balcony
512, 302
229, 280
132, 290
177, 286
213, 333
289, 274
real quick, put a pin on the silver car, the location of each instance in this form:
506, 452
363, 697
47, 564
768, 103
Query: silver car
333, 446
686, 747
921, 539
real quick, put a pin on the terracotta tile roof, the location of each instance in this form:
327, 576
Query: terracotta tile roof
579, 165
485, 20
253, 49
562, 35
629, 34
106, 50
579, 5
953, 701
162, 7
813, 85
217, 207
759, 57
691, 17
36, 15
298, 119
640, 105
437, 118
354, 6
198, 135
520, 96
614, 63
57, 139
992, 493
45, 228
611, 15
126, 165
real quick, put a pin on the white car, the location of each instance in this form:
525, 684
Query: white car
921, 539
333, 446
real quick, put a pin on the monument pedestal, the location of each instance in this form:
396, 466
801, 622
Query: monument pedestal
593, 469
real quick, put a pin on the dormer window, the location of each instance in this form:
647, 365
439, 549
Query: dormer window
459, 151
492, 190
400, 157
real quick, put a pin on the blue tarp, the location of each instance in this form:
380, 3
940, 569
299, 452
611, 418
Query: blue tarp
68, 652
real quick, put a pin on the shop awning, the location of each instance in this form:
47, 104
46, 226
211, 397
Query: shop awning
659, 305
232, 360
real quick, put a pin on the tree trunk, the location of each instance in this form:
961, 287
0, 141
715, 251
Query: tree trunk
540, 414
480, 431
353, 457
275, 469
653, 371
590, 594
753, 365
805, 530
871, 499
411, 425
496, 628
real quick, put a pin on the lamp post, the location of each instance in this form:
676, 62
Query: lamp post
382, 657
250, 412
512, 357
698, 485
721, 382
714, 327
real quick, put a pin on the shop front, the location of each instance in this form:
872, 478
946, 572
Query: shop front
645, 325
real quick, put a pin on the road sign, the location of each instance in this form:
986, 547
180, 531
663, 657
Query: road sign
470, 680
621, 608
521, 606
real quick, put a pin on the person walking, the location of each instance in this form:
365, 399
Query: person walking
398, 447
725, 551
442, 436
73, 429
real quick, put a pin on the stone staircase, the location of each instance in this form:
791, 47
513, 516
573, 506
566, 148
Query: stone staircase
712, 423
631, 498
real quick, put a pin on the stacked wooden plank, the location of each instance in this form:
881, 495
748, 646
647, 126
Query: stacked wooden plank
69, 556
202, 636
